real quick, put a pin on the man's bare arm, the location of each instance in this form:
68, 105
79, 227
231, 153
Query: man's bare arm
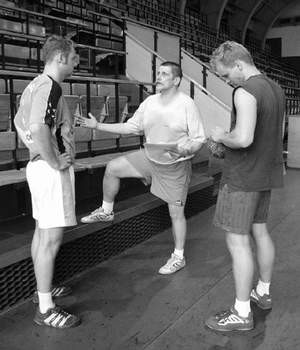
41, 136
118, 128
243, 133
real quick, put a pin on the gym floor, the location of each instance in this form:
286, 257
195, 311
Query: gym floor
126, 305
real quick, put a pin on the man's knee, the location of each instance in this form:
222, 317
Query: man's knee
236, 241
112, 168
50, 239
176, 212
259, 230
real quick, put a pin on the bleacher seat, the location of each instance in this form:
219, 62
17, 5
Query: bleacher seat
80, 89
111, 106
7, 147
97, 106
4, 112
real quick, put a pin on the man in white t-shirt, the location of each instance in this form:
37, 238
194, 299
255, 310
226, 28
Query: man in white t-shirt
173, 130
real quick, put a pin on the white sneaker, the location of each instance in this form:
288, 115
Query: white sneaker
174, 264
97, 215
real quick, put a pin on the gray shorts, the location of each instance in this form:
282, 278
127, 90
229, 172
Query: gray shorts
236, 211
169, 182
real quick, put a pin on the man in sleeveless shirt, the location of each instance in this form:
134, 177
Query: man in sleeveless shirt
174, 132
45, 126
253, 166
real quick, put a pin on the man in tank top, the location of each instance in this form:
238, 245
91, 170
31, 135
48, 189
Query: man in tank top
253, 166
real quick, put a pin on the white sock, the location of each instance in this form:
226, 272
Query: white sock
45, 302
179, 253
107, 207
242, 307
263, 288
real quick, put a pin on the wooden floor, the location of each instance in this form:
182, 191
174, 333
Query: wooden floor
126, 305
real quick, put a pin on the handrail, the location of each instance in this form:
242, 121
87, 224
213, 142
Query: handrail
184, 75
205, 65
20, 75
38, 38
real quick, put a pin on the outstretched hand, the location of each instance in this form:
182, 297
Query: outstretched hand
86, 122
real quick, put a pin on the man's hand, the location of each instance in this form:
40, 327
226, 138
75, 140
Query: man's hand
87, 122
217, 134
64, 161
184, 148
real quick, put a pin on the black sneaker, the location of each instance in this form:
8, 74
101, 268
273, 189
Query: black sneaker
264, 302
56, 318
230, 320
56, 292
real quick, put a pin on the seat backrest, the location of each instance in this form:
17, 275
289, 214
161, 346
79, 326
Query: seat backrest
111, 108
80, 89
73, 102
4, 112
98, 106
7, 141
106, 89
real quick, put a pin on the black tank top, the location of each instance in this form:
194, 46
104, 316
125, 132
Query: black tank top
259, 166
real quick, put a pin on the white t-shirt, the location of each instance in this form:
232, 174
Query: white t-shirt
169, 123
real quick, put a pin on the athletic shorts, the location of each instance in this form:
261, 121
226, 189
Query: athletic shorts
236, 211
168, 182
52, 195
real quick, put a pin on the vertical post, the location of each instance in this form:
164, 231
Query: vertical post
204, 73
12, 114
192, 90
117, 106
88, 109
3, 51
141, 93
154, 58
38, 54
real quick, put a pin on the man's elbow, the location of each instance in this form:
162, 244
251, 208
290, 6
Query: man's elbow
245, 142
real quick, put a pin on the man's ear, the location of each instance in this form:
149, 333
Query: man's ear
240, 64
60, 57
177, 81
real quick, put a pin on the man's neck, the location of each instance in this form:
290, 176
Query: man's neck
168, 95
53, 73
252, 72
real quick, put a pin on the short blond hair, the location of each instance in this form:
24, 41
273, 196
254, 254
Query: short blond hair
228, 53
55, 44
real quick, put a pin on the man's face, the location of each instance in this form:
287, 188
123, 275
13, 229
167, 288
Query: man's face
165, 79
232, 74
70, 63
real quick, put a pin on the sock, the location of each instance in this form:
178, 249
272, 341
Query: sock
45, 302
242, 307
179, 253
107, 207
263, 288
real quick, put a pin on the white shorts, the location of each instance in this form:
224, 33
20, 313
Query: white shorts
52, 194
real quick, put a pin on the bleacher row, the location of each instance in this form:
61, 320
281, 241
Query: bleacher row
108, 102
22, 33
98, 24
200, 39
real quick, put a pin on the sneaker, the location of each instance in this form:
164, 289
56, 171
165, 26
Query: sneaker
97, 215
230, 320
175, 263
56, 318
264, 302
56, 292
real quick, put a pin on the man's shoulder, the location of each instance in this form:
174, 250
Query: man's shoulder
185, 98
